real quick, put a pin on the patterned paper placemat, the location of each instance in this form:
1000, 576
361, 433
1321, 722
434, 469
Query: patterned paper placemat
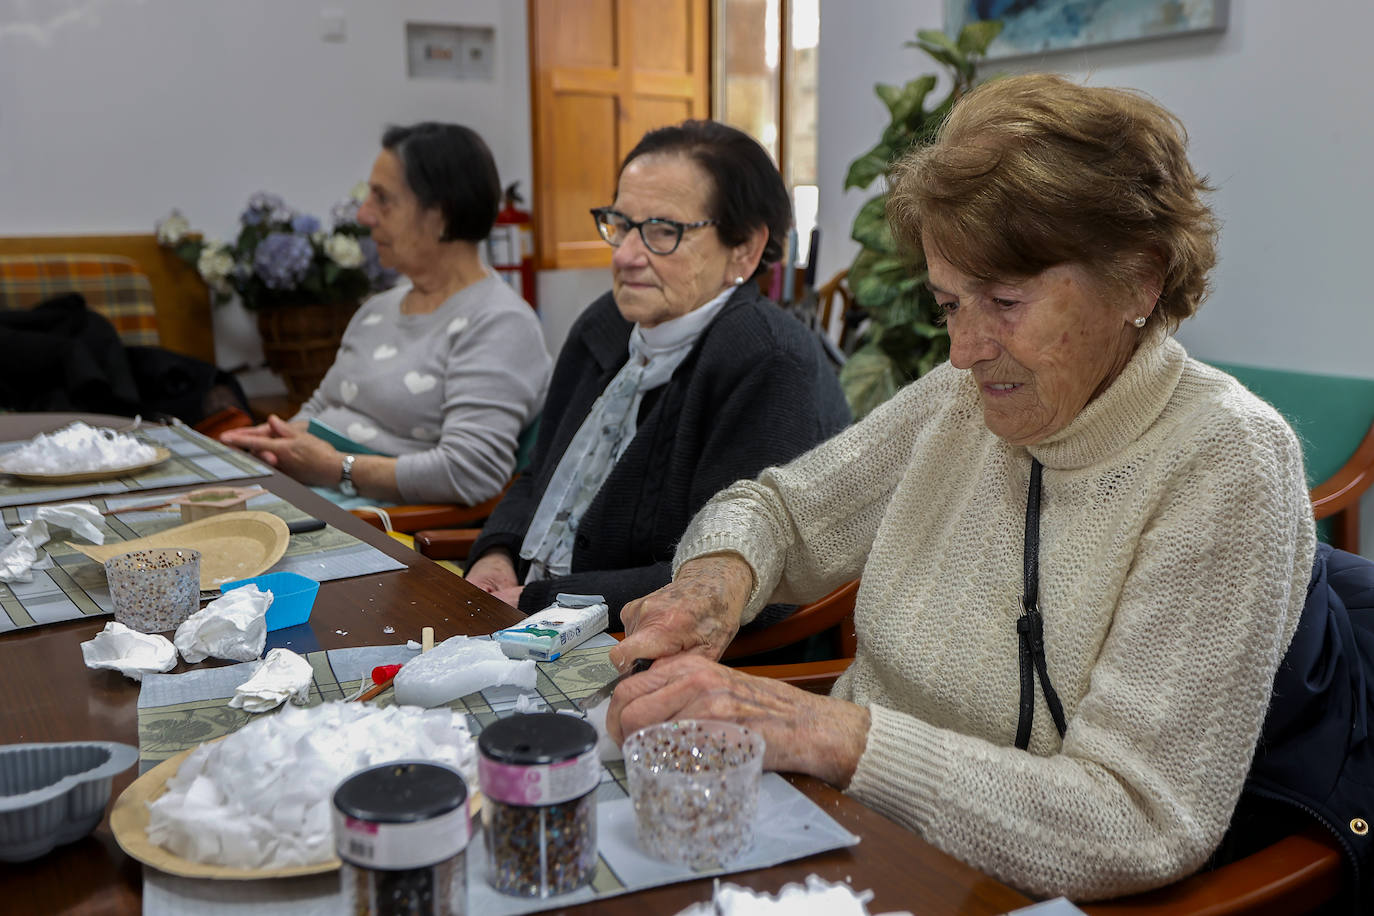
179, 711
195, 459
75, 585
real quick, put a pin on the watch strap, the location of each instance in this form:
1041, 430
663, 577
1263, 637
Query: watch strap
346, 485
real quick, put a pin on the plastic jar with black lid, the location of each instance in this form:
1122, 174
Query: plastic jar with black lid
402, 831
539, 773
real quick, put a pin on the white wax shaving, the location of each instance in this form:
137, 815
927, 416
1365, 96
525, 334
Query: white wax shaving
280, 676
457, 667
19, 553
817, 897
233, 626
262, 797
129, 652
77, 448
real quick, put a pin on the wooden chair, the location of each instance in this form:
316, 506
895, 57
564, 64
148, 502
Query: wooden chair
1338, 497
834, 300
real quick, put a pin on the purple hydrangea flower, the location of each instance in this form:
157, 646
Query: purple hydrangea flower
345, 212
305, 224
282, 259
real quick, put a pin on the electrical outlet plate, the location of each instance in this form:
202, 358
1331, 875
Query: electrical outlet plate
456, 52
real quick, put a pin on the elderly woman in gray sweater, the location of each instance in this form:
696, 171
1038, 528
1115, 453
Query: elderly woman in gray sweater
1083, 553
439, 375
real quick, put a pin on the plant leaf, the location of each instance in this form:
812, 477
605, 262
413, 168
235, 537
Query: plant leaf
868, 378
870, 226
975, 37
866, 168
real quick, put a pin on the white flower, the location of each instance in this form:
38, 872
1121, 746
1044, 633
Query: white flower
344, 250
172, 228
215, 264
318, 237
359, 192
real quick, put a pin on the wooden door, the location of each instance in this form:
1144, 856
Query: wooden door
603, 72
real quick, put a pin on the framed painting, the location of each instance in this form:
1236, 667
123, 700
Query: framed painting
1038, 26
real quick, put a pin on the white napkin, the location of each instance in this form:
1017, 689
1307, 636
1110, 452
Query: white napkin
817, 897
19, 557
457, 667
232, 626
280, 675
129, 652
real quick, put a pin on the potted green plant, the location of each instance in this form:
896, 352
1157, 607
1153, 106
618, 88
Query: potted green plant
902, 337
302, 281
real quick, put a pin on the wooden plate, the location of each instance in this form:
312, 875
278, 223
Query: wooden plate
86, 476
232, 545
129, 822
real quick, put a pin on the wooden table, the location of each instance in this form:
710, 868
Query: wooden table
50, 695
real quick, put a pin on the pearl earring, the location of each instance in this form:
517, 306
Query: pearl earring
739, 281
1140, 321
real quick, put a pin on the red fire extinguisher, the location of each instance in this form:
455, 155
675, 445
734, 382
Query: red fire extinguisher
510, 247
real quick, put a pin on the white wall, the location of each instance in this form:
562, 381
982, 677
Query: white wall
112, 112
1278, 108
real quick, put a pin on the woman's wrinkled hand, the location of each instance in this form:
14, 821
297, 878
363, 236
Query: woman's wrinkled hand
698, 612
494, 572
804, 732
291, 450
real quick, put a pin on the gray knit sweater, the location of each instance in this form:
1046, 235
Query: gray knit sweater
1176, 546
448, 391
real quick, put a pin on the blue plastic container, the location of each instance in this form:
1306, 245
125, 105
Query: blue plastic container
293, 595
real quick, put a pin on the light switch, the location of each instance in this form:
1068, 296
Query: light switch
333, 26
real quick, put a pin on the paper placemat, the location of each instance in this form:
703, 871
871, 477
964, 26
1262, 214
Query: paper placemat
176, 712
76, 587
195, 459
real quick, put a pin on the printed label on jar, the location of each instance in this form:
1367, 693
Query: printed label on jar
397, 846
539, 784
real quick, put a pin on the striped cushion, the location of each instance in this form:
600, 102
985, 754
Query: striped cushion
112, 286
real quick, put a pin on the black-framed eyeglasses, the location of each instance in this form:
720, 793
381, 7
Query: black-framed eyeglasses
661, 236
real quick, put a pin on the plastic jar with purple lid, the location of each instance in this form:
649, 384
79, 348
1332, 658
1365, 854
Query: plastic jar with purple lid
401, 830
539, 773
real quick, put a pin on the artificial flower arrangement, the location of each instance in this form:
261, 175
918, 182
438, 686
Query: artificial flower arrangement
283, 257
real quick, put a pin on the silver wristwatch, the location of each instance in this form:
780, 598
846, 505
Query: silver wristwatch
346, 486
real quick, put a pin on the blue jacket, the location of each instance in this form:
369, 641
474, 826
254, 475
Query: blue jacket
1315, 758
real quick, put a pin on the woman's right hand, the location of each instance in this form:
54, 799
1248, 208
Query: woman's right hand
698, 612
493, 571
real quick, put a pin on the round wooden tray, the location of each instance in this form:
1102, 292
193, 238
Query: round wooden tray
129, 822
87, 476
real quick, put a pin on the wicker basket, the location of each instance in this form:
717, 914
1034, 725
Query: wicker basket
301, 341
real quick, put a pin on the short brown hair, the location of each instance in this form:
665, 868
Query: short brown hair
1032, 171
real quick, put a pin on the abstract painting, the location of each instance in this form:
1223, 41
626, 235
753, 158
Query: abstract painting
1037, 26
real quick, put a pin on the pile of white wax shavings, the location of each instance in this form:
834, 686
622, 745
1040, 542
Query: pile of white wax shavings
262, 797
817, 897
78, 448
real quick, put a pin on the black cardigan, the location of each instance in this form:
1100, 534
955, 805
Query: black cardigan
755, 391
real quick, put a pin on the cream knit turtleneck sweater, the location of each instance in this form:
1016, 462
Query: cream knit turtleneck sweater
1176, 547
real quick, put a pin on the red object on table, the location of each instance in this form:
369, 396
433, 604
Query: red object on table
383, 673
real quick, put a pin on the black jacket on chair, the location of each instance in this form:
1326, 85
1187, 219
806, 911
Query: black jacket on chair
1315, 759
755, 391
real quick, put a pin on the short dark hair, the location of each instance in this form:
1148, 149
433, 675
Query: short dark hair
1034, 170
746, 189
450, 167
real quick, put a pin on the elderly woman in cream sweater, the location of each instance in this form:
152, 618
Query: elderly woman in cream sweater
1083, 553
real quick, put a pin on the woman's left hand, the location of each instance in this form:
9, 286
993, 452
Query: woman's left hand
294, 452
804, 732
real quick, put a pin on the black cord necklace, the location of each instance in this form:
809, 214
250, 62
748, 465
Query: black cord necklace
1030, 628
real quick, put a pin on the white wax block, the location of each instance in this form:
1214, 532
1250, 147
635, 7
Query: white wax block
457, 667
130, 653
605, 747
233, 626
281, 675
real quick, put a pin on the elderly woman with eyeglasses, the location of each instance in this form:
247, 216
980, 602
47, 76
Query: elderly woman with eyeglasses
678, 382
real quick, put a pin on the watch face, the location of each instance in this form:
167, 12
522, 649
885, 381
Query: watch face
346, 486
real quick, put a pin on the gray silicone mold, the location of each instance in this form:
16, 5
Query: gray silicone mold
51, 794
